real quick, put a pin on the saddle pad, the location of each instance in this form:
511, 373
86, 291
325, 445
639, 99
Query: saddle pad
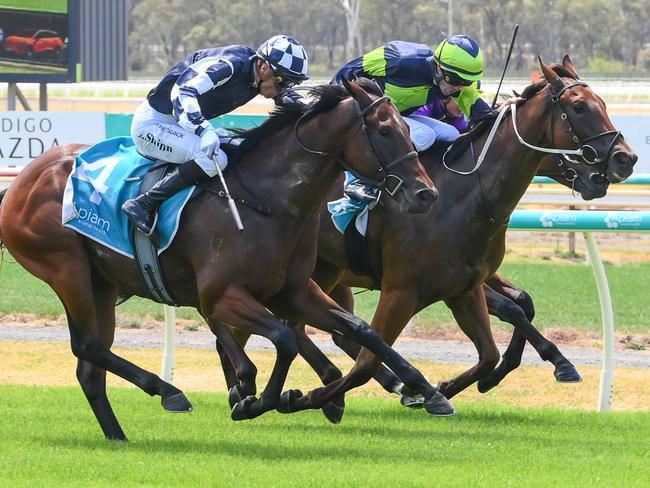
344, 210
102, 178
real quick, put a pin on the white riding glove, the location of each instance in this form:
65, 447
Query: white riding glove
222, 159
209, 142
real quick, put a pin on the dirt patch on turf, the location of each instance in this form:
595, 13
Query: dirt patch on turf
52, 364
560, 336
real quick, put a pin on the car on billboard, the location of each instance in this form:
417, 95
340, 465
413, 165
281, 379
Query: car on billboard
39, 43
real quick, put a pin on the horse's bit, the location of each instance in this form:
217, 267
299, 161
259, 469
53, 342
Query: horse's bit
382, 169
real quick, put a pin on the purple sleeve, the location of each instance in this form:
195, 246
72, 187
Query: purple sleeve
459, 122
436, 110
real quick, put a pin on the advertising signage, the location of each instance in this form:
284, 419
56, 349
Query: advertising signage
38, 40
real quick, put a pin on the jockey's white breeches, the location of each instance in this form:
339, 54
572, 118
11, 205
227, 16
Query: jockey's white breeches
158, 136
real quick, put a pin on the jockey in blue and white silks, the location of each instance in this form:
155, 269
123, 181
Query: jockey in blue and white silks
172, 124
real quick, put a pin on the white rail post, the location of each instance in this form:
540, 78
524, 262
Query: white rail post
167, 368
607, 315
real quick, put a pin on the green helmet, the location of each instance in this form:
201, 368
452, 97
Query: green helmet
460, 55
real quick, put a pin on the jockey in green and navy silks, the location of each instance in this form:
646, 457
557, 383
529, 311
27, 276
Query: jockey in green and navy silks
417, 79
410, 73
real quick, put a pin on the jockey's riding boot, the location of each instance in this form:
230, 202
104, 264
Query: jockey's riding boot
361, 192
142, 209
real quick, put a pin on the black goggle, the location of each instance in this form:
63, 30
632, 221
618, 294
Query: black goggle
454, 79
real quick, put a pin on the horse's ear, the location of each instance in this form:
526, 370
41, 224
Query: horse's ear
568, 65
551, 76
358, 93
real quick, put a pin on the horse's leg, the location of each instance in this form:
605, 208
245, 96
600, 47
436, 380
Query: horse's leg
237, 307
515, 306
93, 378
328, 372
57, 256
239, 370
471, 314
312, 306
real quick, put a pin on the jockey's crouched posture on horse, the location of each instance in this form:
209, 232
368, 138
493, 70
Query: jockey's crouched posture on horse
428, 87
172, 124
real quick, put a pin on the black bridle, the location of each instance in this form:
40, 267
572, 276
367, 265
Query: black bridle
589, 154
385, 181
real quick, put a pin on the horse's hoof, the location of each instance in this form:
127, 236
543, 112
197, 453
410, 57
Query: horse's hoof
333, 412
567, 373
438, 406
412, 401
485, 384
235, 395
176, 403
287, 400
242, 409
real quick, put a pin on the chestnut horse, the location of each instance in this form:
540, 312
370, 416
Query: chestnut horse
504, 299
285, 169
449, 254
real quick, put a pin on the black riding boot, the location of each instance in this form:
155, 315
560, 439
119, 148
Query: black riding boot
142, 209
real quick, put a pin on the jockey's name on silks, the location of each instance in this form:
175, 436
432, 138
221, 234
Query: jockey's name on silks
102, 178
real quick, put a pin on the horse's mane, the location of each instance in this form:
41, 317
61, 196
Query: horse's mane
461, 144
325, 98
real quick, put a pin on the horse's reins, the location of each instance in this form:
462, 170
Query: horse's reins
581, 151
382, 170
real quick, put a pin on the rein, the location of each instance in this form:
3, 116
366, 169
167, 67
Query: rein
382, 169
587, 152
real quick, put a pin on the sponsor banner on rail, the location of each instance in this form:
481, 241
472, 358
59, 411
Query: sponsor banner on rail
586, 221
26, 135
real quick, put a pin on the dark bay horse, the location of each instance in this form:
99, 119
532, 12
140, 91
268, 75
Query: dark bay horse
449, 254
504, 299
287, 166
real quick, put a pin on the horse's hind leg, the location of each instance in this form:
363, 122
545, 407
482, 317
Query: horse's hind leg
470, 312
93, 378
514, 306
89, 304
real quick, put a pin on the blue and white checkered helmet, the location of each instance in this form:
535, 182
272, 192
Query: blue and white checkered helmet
286, 56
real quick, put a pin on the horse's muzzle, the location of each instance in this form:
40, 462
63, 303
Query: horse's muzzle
621, 165
425, 198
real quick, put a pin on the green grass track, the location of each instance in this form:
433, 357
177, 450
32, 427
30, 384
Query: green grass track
50, 438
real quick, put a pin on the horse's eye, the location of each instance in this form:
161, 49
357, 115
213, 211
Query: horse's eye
384, 131
579, 107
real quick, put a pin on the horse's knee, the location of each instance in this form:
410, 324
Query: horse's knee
525, 302
286, 343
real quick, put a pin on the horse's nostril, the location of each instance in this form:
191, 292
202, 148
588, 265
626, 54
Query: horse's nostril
427, 195
625, 158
